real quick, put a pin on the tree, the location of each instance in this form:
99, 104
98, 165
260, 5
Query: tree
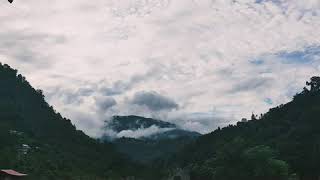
238, 161
314, 84
253, 117
262, 163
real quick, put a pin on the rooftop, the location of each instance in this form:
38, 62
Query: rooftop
12, 172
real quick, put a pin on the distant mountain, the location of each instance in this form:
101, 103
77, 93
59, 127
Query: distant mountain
120, 123
147, 139
163, 130
282, 144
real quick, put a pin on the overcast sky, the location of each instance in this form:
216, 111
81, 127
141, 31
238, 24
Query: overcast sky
198, 63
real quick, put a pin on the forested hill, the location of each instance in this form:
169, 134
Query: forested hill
120, 123
35, 139
282, 144
164, 140
285, 142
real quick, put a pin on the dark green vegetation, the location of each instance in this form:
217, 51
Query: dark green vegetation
37, 140
146, 149
283, 143
120, 123
134, 123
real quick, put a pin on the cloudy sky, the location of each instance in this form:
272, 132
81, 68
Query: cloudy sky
198, 63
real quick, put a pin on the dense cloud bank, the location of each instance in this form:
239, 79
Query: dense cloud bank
198, 63
154, 101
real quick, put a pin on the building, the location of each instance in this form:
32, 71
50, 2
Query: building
8, 174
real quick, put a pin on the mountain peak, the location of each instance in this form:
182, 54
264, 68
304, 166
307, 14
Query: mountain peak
132, 122
146, 139
140, 128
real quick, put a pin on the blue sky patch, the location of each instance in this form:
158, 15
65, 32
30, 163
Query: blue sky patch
268, 101
257, 61
306, 56
261, 1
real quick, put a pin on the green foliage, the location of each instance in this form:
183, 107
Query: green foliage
36, 140
248, 150
147, 149
261, 162
120, 123
314, 84
235, 161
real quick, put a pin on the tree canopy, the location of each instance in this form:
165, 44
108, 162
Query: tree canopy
280, 143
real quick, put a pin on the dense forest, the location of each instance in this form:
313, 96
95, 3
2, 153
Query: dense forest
282, 144
146, 149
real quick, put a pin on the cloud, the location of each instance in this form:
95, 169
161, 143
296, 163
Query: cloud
142, 132
122, 86
251, 84
154, 101
87, 121
117, 88
105, 103
85, 91
228, 55
25, 47
202, 122
307, 56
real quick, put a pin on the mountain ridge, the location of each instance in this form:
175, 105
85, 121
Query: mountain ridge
147, 139
134, 123
37, 140
282, 144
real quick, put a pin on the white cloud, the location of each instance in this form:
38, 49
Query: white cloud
105, 103
141, 132
200, 52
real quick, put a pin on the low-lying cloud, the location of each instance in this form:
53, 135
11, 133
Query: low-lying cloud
138, 133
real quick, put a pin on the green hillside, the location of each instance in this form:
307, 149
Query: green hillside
37, 140
283, 143
146, 149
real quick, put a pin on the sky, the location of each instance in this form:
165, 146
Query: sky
201, 64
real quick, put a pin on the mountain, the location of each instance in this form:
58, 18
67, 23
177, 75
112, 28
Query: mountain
37, 140
145, 128
146, 139
281, 144
120, 123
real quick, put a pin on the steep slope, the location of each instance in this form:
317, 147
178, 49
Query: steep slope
147, 139
285, 141
120, 123
37, 140
145, 128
